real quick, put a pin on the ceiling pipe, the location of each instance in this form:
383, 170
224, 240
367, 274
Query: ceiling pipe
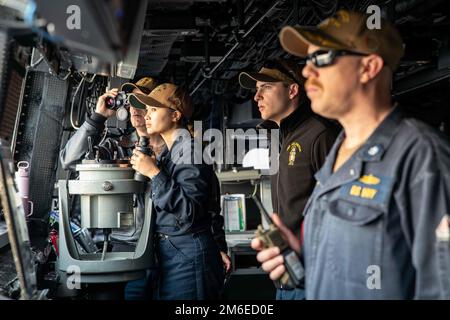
209, 75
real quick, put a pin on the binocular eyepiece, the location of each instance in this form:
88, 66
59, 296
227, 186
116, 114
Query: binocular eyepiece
118, 104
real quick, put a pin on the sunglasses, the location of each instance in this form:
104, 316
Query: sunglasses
324, 58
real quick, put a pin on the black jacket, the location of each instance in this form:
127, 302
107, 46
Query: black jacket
305, 139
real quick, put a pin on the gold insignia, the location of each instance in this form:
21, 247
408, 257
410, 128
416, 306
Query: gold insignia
293, 148
355, 191
161, 87
370, 179
344, 16
366, 193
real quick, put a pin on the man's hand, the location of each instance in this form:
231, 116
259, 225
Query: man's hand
144, 164
272, 260
101, 105
226, 261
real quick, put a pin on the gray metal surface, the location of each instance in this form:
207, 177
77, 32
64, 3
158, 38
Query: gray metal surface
118, 187
106, 194
46, 144
122, 266
7, 271
107, 211
3, 235
4, 52
38, 140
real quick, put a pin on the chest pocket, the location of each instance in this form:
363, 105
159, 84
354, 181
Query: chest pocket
356, 223
355, 212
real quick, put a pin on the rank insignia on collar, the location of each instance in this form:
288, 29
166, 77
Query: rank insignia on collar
293, 148
370, 179
369, 187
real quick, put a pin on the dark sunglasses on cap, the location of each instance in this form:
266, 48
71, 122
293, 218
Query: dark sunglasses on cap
324, 58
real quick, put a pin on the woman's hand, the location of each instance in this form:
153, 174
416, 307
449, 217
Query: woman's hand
144, 164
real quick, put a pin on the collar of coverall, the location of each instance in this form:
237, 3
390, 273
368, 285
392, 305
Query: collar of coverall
372, 150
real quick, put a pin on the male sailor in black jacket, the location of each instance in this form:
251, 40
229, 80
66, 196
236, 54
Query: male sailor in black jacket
305, 139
